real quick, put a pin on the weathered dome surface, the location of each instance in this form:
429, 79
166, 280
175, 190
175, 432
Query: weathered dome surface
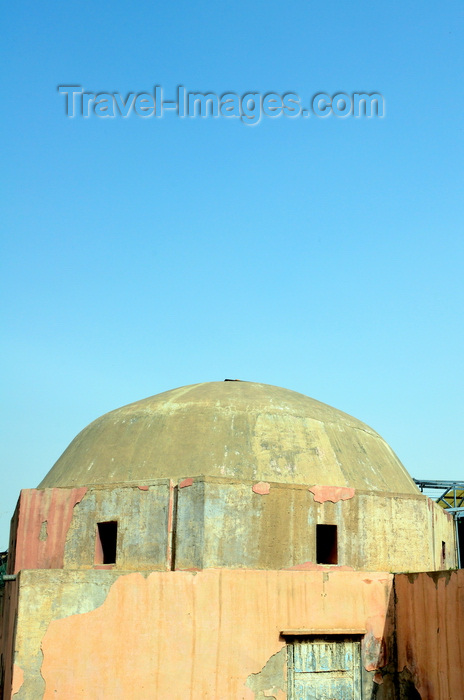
231, 429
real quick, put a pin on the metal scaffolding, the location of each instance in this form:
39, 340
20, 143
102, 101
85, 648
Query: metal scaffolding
450, 496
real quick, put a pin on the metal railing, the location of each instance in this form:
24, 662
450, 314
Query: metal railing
450, 496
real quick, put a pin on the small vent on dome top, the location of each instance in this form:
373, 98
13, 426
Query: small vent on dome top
232, 380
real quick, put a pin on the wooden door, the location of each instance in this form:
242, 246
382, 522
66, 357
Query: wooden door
324, 668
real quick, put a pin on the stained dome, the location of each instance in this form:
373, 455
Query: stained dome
235, 430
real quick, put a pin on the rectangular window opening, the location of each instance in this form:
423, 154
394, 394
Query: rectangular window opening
443, 552
106, 545
326, 544
460, 541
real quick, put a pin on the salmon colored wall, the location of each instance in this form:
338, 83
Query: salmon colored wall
215, 634
429, 629
43, 522
180, 635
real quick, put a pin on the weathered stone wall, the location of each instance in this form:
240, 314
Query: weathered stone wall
210, 522
273, 526
56, 528
142, 515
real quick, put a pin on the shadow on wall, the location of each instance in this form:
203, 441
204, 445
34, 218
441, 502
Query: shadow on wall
425, 641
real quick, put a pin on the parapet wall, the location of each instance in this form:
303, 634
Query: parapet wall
224, 634
204, 523
211, 635
273, 526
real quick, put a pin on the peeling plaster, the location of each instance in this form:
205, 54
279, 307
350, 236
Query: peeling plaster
331, 493
183, 622
375, 625
143, 488
373, 651
271, 681
18, 679
262, 488
39, 546
411, 683
43, 531
79, 596
185, 482
80, 495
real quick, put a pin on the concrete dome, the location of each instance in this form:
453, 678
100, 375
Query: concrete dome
231, 429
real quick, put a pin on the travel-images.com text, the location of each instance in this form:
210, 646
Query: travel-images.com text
249, 107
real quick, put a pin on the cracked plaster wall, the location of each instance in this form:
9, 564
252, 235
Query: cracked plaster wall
177, 635
236, 524
216, 633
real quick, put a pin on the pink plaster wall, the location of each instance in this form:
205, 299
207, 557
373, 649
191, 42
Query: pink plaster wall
54, 507
179, 635
429, 631
332, 493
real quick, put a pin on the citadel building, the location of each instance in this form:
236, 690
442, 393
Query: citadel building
231, 541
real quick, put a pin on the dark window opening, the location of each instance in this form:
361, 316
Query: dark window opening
326, 544
107, 537
460, 541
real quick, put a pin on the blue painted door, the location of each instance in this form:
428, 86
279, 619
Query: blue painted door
324, 669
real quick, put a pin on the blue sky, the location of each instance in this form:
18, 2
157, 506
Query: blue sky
322, 255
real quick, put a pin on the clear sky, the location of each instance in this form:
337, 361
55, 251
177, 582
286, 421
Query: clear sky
322, 255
